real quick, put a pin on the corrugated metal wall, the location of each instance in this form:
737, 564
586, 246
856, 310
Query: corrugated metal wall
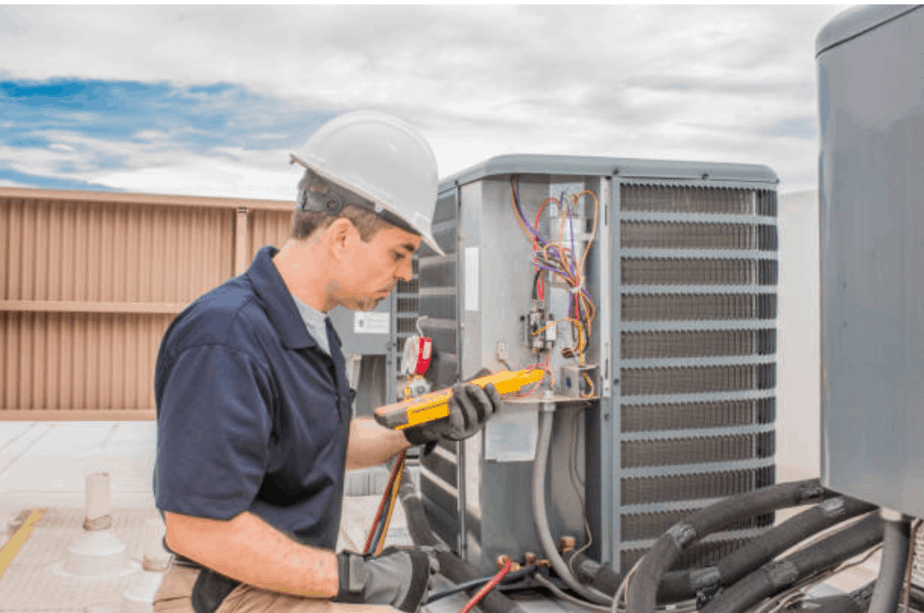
90, 281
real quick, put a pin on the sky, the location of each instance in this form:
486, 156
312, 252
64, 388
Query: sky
210, 100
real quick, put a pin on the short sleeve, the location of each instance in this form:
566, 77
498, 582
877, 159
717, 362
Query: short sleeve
213, 433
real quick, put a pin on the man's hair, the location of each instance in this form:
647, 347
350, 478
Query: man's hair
367, 223
304, 223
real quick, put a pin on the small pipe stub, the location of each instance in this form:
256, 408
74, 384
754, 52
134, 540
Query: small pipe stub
529, 558
99, 515
566, 544
503, 559
891, 515
155, 557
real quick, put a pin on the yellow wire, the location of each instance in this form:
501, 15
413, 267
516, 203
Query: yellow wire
391, 508
571, 319
591, 384
593, 232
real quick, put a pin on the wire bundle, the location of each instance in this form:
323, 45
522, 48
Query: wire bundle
375, 541
559, 257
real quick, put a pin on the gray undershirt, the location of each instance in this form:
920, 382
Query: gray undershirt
315, 321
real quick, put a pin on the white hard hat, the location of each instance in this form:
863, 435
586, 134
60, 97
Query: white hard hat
382, 159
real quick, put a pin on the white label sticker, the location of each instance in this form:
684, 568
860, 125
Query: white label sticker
371, 323
471, 278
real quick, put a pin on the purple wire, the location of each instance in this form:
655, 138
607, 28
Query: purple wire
541, 267
516, 199
571, 225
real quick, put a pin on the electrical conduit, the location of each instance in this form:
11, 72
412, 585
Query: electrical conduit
540, 517
896, 540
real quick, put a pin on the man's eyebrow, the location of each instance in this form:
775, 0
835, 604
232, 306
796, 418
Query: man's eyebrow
409, 247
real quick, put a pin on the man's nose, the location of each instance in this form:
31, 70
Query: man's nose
406, 270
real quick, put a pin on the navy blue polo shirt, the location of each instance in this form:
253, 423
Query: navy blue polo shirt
251, 414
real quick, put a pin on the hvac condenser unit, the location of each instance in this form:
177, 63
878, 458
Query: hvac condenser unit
662, 350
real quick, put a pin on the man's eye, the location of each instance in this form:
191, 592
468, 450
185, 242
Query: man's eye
397, 256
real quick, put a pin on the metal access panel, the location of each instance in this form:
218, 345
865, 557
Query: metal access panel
871, 87
683, 272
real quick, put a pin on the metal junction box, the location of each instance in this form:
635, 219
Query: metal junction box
681, 265
871, 201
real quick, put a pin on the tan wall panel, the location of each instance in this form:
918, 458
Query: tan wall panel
268, 228
79, 361
90, 282
110, 252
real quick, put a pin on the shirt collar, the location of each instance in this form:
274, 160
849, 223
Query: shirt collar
277, 301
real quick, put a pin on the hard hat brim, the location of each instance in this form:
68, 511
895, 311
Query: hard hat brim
426, 234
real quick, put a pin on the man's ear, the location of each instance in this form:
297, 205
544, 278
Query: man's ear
340, 237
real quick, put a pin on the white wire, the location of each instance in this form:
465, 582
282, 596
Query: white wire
594, 607
809, 582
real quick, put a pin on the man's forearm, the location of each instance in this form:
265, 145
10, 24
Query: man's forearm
371, 444
249, 550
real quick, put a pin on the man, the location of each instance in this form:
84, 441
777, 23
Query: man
253, 405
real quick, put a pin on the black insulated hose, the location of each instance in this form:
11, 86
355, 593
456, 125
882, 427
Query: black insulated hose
667, 549
773, 578
683, 585
452, 566
596, 575
896, 540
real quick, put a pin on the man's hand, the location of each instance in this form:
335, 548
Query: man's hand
399, 578
469, 407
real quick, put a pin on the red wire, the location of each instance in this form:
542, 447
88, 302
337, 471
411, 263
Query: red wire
487, 588
386, 496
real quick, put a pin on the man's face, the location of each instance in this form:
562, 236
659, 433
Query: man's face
371, 270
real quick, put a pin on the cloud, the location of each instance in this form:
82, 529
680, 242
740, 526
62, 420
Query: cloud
208, 84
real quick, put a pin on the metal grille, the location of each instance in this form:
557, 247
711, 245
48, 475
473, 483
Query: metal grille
439, 272
694, 415
698, 272
698, 450
670, 225
438, 298
646, 490
407, 305
439, 306
697, 555
645, 381
689, 307
673, 199
917, 564
767, 203
406, 326
677, 235
708, 343
644, 526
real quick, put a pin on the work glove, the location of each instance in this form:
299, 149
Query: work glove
400, 578
469, 407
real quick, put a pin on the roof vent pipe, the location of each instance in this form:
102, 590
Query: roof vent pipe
99, 513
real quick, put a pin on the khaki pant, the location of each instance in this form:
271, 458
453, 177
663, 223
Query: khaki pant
175, 596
